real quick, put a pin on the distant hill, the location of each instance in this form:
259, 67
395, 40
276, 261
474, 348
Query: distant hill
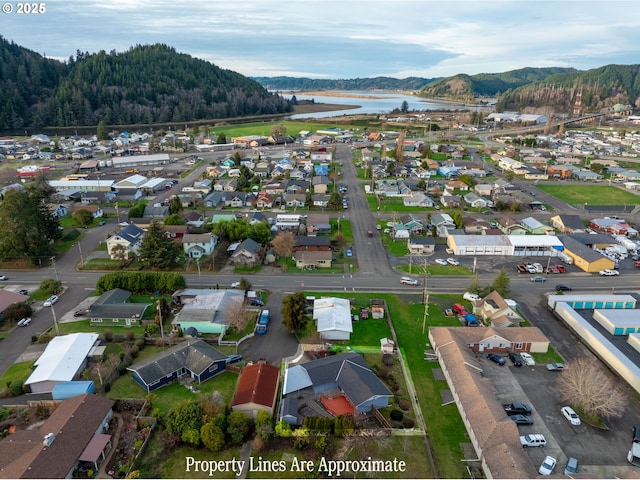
600, 88
146, 84
375, 83
467, 87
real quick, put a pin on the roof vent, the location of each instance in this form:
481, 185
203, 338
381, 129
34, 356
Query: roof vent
48, 439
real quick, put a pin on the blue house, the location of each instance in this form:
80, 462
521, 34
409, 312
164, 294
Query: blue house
195, 358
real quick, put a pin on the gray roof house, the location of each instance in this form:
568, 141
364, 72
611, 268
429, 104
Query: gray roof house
348, 373
194, 357
113, 308
247, 253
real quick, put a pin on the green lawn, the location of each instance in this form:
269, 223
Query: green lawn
85, 326
592, 194
16, 372
436, 269
262, 128
345, 229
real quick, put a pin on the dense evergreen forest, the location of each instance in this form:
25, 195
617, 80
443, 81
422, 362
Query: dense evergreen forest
600, 88
464, 87
146, 84
375, 83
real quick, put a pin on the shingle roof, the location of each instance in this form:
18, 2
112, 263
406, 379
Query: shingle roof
257, 384
196, 355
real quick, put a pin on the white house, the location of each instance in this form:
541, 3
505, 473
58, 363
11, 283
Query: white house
129, 237
333, 318
198, 245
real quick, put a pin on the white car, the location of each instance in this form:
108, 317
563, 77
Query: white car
235, 285
571, 415
548, 464
4, 277
24, 322
528, 359
608, 273
453, 261
50, 301
472, 297
440, 261
408, 281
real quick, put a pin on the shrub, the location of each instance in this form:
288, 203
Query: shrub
387, 359
134, 351
408, 422
131, 335
139, 343
17, 388
404, 405
107, 387
396, 415
108, 336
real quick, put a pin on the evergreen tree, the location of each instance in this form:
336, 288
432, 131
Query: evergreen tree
156, 249
294, 311
175, 205
502, 283
102, 131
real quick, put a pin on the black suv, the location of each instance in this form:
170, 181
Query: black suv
563, 288
516, 359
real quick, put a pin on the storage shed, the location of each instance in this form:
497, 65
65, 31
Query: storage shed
618, 322
590, 302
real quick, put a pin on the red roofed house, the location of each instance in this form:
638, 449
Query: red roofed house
257, 389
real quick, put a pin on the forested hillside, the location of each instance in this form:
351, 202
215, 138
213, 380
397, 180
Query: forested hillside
146, 84
467, 87
375, 83
600, 87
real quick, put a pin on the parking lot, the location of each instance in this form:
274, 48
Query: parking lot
601, 453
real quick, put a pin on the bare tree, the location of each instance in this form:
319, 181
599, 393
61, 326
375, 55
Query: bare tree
283, 244
587, 385
235, 315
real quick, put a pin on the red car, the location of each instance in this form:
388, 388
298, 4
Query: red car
561, 269
459, 309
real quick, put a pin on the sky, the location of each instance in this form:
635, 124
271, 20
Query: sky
342, 38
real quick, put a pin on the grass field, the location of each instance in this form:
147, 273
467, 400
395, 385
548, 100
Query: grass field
262, 128
593, 194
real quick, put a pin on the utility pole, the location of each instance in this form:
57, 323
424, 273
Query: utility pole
55, 320
55, 270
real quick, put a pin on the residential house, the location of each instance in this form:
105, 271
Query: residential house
313, 259
475, 226
247, 253
567, 223
560, 171
484, 189
360, 390
451, 201
206, 310
442, 220
320, 184
257, 389
312, 243
320, 200
192, 217
238, 200
194, 357
276, 188
412, 223
72, 437
418, 199
495, 311
456, 185
125, 243
333, 318
196, 245
265, 200
59, 211
421, 245
535, 227
63, 360
213, 199
295, 200
297, 186
476, 201
158, 212
318, 223
113, 308
509, 226
175, 232
225, 185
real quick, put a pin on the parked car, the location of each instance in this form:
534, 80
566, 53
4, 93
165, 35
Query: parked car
459, 309
522, 419
516, 408
101, 223
531, 268
533, 440
50, 301
453, 261
349, 252
408, 281
496, 359
233, 358
80, 313
548, 464
572, 466
24, 322
538, 278
256, 302
560, 269
472, 297
636, 434
516, 359
527, 359
608, 273
23, 292
563, 288
556, 367
440, 261
571, 415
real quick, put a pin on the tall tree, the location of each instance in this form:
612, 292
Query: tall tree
584, 384
294, 311
335, 201
175, 205
185, 421
283, 244
221, 138
156, 249
83, 217
502, 283
102, 132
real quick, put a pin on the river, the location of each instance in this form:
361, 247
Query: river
370, 103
